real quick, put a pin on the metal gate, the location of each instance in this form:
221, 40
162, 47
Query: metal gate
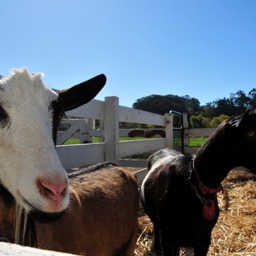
178, 131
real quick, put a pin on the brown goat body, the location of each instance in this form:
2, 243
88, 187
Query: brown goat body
100, 220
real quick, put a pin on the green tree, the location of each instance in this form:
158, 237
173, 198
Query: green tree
252, 96
199, 122
164, 104
234, 105
192, 105
240, 101
217, 120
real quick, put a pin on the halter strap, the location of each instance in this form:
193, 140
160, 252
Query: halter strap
204, 189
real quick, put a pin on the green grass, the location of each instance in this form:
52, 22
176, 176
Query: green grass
72, 141
193, 142
196, 142
96, 140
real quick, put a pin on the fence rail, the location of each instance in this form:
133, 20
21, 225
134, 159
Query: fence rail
109, 114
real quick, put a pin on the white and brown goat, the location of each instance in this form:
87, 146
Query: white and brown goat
30, 168
33, 179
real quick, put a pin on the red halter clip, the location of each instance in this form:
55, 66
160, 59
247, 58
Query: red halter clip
209, 209
205, 189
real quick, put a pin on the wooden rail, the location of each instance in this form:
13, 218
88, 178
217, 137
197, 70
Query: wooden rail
109, 114
15, 249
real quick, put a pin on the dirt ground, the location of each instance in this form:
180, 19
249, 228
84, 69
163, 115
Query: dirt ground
235, 231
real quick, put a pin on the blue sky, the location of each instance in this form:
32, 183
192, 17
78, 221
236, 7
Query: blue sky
202, 48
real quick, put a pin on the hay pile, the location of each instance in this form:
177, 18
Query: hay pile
235, 231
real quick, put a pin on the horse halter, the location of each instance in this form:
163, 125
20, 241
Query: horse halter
203, 188
209, 209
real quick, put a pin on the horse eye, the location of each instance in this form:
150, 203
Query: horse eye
250, 133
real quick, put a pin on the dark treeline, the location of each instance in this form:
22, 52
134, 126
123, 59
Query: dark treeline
208, 115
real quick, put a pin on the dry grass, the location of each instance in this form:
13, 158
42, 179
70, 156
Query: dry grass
235, 231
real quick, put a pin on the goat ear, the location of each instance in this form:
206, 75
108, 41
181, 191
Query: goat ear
82, 93
239, 120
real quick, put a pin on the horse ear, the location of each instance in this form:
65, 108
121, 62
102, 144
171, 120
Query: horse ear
244, 116
82, 93
239, 120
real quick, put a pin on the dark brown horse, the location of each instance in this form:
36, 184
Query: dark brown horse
179, 191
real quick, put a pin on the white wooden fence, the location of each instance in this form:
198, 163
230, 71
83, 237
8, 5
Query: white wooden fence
110, 149
110, 114
8, 249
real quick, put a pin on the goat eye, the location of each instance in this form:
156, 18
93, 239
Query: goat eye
251, 133
4, 118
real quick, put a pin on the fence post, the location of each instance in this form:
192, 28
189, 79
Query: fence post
102, 135
89, 125
169, 130
186, 131
111, 129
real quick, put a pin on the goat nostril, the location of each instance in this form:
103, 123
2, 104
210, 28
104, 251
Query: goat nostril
52, 190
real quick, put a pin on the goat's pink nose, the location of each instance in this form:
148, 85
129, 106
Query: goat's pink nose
52, 190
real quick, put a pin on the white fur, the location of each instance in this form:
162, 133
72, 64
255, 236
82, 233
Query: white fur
155, 165
27, 151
